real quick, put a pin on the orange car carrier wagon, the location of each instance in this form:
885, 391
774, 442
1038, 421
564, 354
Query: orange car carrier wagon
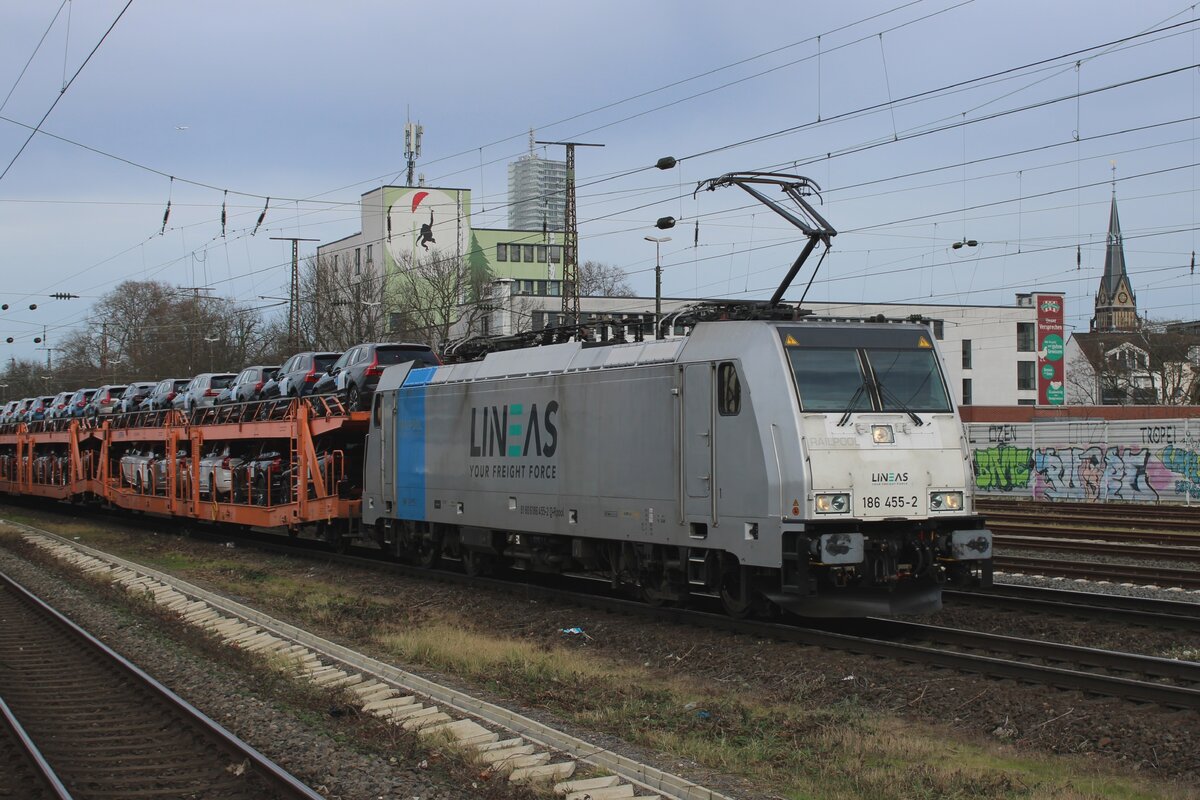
279, 465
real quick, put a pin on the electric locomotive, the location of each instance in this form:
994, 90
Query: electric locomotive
816, 466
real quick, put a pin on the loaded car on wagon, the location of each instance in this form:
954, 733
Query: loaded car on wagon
355, 375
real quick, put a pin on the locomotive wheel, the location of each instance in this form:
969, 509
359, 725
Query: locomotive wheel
738, 598
331, 534
655, 590
476, 564
653, 597
429, 554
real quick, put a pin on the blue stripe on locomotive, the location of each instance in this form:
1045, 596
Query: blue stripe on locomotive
410, 444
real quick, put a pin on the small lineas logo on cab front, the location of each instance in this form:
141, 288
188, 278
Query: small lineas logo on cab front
889, 477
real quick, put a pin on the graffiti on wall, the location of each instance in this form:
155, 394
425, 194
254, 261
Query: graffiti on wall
1185, 464
1003, 468
1128, 474
1150, 468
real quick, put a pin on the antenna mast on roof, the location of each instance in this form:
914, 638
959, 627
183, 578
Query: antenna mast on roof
412, 146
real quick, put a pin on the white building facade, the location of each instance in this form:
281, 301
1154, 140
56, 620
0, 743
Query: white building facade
990, 353
537, 194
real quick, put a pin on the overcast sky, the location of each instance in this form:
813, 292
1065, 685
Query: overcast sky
305, 102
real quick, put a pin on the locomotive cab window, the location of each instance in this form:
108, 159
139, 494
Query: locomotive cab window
909, 380
829, 379
729, 390
848, 379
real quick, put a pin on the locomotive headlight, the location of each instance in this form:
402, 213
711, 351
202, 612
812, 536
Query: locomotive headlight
833, 503
945, 501
882, 434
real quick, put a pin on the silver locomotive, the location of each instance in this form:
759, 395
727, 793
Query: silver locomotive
816, 466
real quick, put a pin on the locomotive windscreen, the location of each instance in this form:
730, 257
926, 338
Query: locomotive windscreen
893, 370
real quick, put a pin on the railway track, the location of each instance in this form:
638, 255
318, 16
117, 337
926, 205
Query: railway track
1141, 679
1109, 522
105, 728
404, 699
1052, 541
1183, 517
1174, 684
1100, 571
1090, 605
1131, 676
1156, 533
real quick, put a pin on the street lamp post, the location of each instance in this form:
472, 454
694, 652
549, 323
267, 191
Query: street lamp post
658, 240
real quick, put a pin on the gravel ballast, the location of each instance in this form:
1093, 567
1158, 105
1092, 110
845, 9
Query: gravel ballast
1036, 719
306, 735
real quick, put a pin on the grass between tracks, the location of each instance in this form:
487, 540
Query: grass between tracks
796, 750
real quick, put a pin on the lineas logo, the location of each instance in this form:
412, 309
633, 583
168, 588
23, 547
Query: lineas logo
509, 431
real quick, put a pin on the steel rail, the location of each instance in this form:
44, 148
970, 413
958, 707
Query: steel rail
1137, 522
1069, 545
1124, 533
1091, 605
31, 751
649, 777
1111, 660
1059, 677
1183, 578
280, 780
1169, 695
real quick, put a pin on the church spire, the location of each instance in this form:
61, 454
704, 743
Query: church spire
1116, 305
1114, 255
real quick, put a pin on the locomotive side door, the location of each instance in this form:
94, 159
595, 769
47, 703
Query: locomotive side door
699, 456
385, 418
378, 470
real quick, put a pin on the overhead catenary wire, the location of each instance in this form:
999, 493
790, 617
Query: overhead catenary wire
635, 209
32, 55
929, 93
206, 185
958, 83
66, 86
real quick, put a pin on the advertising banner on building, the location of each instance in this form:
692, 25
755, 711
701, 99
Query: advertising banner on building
1051, 372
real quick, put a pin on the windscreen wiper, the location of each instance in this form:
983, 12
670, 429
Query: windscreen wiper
885, 392
862, 387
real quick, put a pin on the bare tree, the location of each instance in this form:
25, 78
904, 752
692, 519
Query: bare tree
603, 280
432, 295
342, 306
144, 330
25, 378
